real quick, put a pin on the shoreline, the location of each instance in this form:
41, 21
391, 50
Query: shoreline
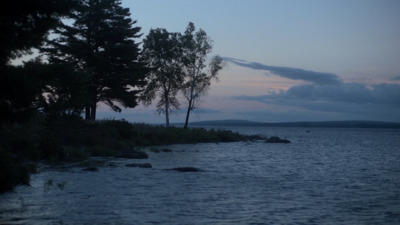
76, 140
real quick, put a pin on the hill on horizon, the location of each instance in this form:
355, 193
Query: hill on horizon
345, 123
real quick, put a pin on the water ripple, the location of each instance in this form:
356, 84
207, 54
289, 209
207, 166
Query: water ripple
326, 176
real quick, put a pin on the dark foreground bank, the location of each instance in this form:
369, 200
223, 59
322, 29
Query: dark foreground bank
73, 139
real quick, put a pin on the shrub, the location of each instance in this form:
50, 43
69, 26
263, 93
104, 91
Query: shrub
75, 154
12, 171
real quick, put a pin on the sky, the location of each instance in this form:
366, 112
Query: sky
287, 60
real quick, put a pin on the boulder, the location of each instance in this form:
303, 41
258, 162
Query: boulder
140, 165
186, 169
91, 169
166, 150
132, 155
275, 139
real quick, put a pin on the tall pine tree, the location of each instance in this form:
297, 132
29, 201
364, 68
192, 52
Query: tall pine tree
101, 43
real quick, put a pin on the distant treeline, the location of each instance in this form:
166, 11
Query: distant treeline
332, 124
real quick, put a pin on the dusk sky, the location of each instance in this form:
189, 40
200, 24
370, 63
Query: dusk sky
288, 60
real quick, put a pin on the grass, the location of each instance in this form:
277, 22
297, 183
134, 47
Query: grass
73, 139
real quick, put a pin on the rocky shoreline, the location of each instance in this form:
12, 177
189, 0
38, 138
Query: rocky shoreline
92, 164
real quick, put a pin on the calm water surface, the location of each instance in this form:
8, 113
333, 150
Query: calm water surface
325, 176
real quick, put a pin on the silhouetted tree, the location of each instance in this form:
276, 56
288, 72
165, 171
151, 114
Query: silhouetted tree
65, 91
54, 89
196, 47
19, 90
162, 52
101, 43
24, 25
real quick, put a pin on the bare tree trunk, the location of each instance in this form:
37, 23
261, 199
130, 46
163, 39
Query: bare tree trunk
190, 107
167, 112
87, 113
188, 113
187, 119
93, 112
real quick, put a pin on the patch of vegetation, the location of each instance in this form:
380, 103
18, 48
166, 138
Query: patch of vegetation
12, 171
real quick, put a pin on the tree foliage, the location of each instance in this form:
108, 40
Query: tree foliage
64, 93
196, 47
162, 53
53, 89
179, 63
25, 23
101, 44
19, 89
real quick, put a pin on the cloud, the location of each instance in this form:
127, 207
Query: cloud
206, 110
319, 78
383, 94
326, 96
395, 78
349, 100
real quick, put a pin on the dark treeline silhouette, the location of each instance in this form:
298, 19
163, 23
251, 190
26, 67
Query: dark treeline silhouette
93, 60
24, 25
89, 53
91, 56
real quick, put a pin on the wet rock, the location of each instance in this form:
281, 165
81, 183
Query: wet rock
275, 139
132, 155
158, 150
111, 164
166, 150
91, 169
186, 169
139, 165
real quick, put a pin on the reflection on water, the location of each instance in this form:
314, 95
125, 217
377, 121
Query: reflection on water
326, 176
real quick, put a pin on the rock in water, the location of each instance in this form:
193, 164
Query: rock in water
166, 150
275, 139
133, 155
140, 165
91, 169
186, 169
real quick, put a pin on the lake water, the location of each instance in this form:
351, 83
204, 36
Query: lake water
325, 176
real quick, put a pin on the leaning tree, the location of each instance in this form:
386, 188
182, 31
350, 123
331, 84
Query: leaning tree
99, 41
196, 47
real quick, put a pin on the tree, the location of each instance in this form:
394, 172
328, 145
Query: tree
53, 89
101, 43
162, 53
24, 25
196, 47
20, 87
64, 93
